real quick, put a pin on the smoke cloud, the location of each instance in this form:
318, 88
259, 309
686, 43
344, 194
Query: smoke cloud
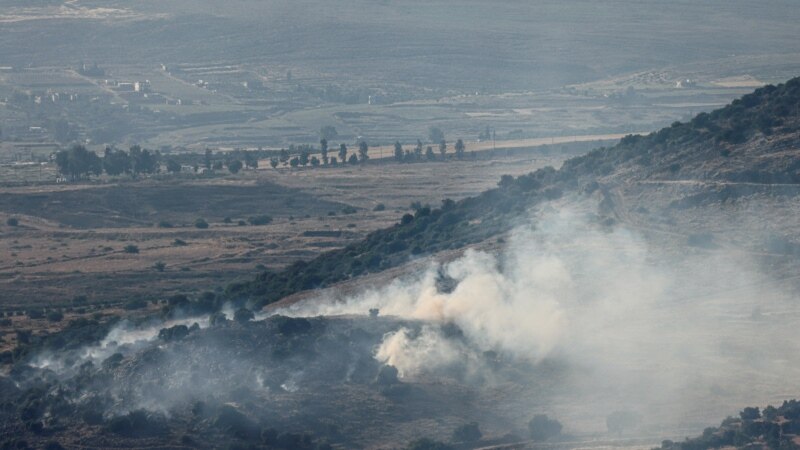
669, 333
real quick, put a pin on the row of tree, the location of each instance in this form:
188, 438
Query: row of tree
416, 155
78, 163
305, 157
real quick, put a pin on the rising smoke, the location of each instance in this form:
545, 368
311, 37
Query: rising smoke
674, 335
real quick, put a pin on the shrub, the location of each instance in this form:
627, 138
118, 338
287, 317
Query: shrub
130, 248
291, 325
260, 220
175, 333
164, 224
379, 207
243, 315
348, 210
55, 316
387, 376
12, 222
179, 243
201, 223
159, 266
35, 314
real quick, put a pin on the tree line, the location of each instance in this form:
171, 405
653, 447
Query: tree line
79, 163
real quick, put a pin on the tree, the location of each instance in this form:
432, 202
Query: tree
353, 159
750, 413
12, 222
235, 166
142, 161
294, 162
116, 162
363, 148
442, 147
173, 166
418, 150
468, 432
342, 153
273, 162
323, 149
460, 147
304, 158
387, 376
314, 161
201, 223
251, 160
78, 162
328, 132
243, 315
398, 151
260, 220
435, 134
283, 156
429, 153
542, 427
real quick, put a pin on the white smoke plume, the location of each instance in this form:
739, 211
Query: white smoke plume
667, 330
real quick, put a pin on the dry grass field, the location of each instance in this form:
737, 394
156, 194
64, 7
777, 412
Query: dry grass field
71, 239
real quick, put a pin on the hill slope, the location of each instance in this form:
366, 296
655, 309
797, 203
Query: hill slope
754, 140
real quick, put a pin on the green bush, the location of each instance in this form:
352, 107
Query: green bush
131, 249
260, 220
201, 223
12, 222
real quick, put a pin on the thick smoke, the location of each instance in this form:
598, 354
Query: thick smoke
672, 333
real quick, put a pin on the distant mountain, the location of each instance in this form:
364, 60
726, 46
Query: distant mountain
755, 139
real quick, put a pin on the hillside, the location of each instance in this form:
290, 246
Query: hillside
754, 140
772, 428
497, 339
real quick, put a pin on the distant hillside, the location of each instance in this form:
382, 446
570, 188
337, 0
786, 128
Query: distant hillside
772, 428
754, 140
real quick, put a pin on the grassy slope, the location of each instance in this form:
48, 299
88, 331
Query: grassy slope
724, 139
